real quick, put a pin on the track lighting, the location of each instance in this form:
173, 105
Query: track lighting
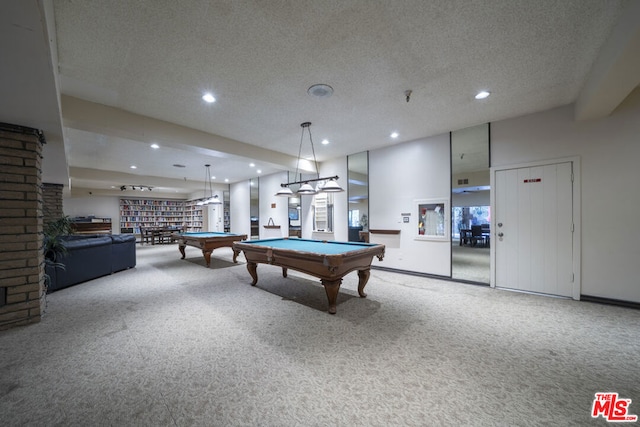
136, 187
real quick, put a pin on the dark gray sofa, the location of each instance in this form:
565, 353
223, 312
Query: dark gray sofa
123, 252
91, 256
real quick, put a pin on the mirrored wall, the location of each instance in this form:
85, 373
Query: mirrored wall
254, 207
470, 204
226, 203
295, 211
358, 192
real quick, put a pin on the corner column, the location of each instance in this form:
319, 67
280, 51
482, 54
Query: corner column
21, 257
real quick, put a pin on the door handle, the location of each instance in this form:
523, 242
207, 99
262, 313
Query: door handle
500, 234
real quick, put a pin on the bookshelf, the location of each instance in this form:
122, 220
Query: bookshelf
136, 213
193, 216
321, 212
227, 217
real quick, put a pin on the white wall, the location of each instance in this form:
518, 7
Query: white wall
98, 206
272, 206
306, 217
474, 198
240, 215
398, 176
609, 150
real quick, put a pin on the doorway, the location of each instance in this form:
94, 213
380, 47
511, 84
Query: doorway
535, 242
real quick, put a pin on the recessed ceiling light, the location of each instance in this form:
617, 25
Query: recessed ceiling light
212, 178
325, 141
259, 171
208, 98
133, 167
155, 146
394, 135
226, 180
482, 95
252, 165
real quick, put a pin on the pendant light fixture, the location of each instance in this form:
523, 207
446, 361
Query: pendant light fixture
330, 183
214, 200
285, 192
211, 199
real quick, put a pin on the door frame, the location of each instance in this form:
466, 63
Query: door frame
577, 226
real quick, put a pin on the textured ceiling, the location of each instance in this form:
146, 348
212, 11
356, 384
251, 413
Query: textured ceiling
155, 59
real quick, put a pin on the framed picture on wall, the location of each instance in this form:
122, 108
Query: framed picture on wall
433, 218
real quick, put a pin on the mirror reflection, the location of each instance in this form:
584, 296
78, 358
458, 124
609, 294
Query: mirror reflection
470, 204
295, 214
226, 210
358, 192
254, 207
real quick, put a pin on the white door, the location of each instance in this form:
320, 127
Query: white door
212, 218
533, 236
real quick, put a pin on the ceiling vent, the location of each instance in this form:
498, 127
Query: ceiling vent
320, 91
463, 181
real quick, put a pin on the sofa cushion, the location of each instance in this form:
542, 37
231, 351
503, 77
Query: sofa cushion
123, 238
123, 252
94, 241
73, 237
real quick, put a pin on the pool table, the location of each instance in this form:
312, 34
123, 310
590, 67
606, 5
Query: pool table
330, 261
208, 241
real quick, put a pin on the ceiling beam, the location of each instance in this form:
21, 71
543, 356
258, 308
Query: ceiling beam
616, 72
29, 83
111, 121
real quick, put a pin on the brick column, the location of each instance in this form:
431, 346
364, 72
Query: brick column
21, 258
51, 203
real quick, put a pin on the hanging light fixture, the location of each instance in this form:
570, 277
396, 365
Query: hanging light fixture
211, 199
331, 186
285, 191
330, 183
214, 200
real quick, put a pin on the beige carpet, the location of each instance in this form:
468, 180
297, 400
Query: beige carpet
172, 343
471, 263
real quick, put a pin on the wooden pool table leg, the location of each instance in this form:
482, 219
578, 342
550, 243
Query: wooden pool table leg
207, 257
332, 287
181, 247
284, 271
253, 267
235, 256
363, 275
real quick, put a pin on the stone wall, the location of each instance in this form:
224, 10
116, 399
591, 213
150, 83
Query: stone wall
21, 258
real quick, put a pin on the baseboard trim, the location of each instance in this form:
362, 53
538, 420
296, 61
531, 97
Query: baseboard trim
610, 301
586, 298
431, 276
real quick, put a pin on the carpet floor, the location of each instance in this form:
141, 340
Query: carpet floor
173, 343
